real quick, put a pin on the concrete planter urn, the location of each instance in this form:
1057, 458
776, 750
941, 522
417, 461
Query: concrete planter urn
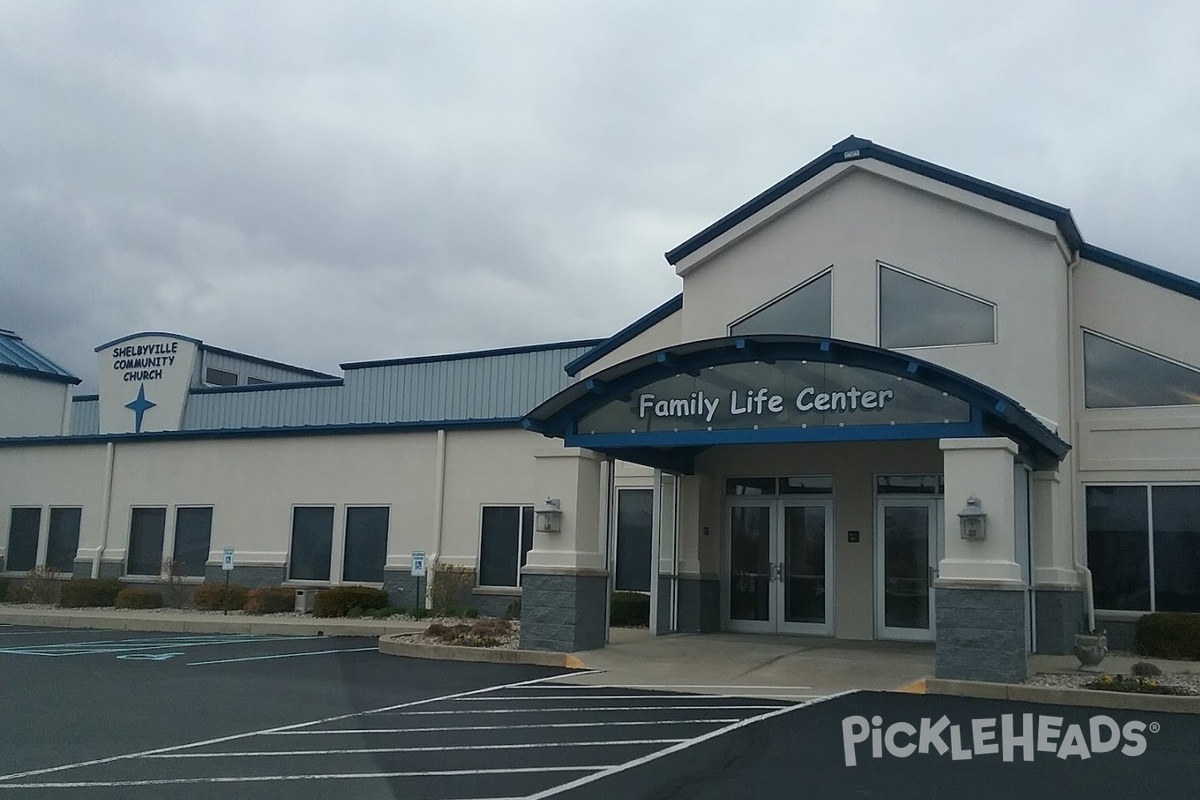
1090, 648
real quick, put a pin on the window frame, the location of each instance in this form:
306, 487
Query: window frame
43, 519
880, 266
497, 587
169, 551
167, 535
49, 529
333, 527
1083, 332
236, 377
387, 541
784, 295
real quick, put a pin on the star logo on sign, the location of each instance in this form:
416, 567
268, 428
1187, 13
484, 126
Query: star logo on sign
139, 407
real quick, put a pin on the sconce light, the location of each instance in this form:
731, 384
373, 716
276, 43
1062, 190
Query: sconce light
972, 520
548, 517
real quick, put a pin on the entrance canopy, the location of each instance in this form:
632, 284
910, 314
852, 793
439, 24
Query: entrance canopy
665, 407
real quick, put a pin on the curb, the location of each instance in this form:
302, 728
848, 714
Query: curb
1124, 701
209, 623
390, 645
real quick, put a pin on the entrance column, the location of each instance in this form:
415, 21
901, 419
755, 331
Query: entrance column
979, 595
564, 583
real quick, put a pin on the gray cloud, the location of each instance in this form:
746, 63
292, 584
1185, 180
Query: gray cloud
322, 182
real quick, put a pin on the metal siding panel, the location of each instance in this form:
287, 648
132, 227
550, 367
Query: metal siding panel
85, 417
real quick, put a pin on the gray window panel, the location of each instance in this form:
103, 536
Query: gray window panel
23, 527
910, 484
146, 526
193, 540
1118, 546
220, 377
253, 381
635, 509
750, 486
63, 541
366, 544
1119, 376
806, 485
500, 546
803, 311
312, 543
1176, 547
917, 313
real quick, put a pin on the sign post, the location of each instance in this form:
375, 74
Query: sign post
226, 567
418, 571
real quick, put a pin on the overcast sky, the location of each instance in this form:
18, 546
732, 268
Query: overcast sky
326, 182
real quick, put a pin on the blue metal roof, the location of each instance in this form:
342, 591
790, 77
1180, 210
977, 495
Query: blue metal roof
855, 149
634, 329
18, 357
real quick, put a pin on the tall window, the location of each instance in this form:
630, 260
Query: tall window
804, 310
24, 525
505, 538
635, 510
1117, 375
312, 543
146, 526
915, 312
63, 541
193, 539
366, 544
1143, 546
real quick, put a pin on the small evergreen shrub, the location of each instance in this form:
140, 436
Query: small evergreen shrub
270, 600
1169, 634
338, 601
630, 609
212, 597
89, 593
134, 597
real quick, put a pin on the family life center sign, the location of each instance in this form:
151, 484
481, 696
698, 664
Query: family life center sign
782, 394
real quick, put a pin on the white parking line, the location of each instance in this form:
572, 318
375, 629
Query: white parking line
658, 686
358, 731
284, 655
576, 697
445, 749
110, 646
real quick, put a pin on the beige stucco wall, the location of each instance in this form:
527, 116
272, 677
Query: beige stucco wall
32, 407
665, 333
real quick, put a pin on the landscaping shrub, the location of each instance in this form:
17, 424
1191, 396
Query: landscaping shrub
1169, 634
1133, 684
133, 597
211, 597
338, 601
41, 585
484, 633
270, 600
3, 589
1144, 669
630, 609
89, 593
451, 588
513, 611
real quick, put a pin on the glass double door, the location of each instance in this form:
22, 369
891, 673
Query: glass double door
780, 566
906, 556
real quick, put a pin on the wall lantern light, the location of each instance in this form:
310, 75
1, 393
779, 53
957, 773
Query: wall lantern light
972, 520
548, 517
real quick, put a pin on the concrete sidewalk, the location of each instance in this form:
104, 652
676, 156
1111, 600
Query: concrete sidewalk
171, 621
752, 665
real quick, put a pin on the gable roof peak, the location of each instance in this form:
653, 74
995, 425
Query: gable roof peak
851, 142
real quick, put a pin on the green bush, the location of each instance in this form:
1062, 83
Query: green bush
270, 600
451, 588
133, 597
338, 601
3, 589
630, 609
212, 597
89, 593
513, 611
1169, 634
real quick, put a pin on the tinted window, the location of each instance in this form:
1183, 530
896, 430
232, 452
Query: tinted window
917, 313
1118, 546
193, 540
64, 539
23, 539
146, 527
804, 310
312, 544
505, 538
366, 544
634, 518
219, 377
1119, 376
1176, 548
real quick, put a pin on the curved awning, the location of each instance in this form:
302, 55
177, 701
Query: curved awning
664, 407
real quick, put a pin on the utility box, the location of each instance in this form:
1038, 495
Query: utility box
305, 598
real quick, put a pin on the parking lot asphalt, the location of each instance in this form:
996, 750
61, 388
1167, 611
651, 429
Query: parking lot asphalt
112, 714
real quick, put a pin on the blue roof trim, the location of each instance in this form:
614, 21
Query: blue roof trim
254, 433
634, 329
502, 351
84, 398
265, 361
140, 334
19, 358
854, 149
265, 387
40, 373
558, 415
1138, 269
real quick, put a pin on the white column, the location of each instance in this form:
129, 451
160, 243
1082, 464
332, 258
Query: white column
980, 468
571, 476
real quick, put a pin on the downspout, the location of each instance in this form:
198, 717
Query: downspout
1074, 362
109, 455
439, 498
